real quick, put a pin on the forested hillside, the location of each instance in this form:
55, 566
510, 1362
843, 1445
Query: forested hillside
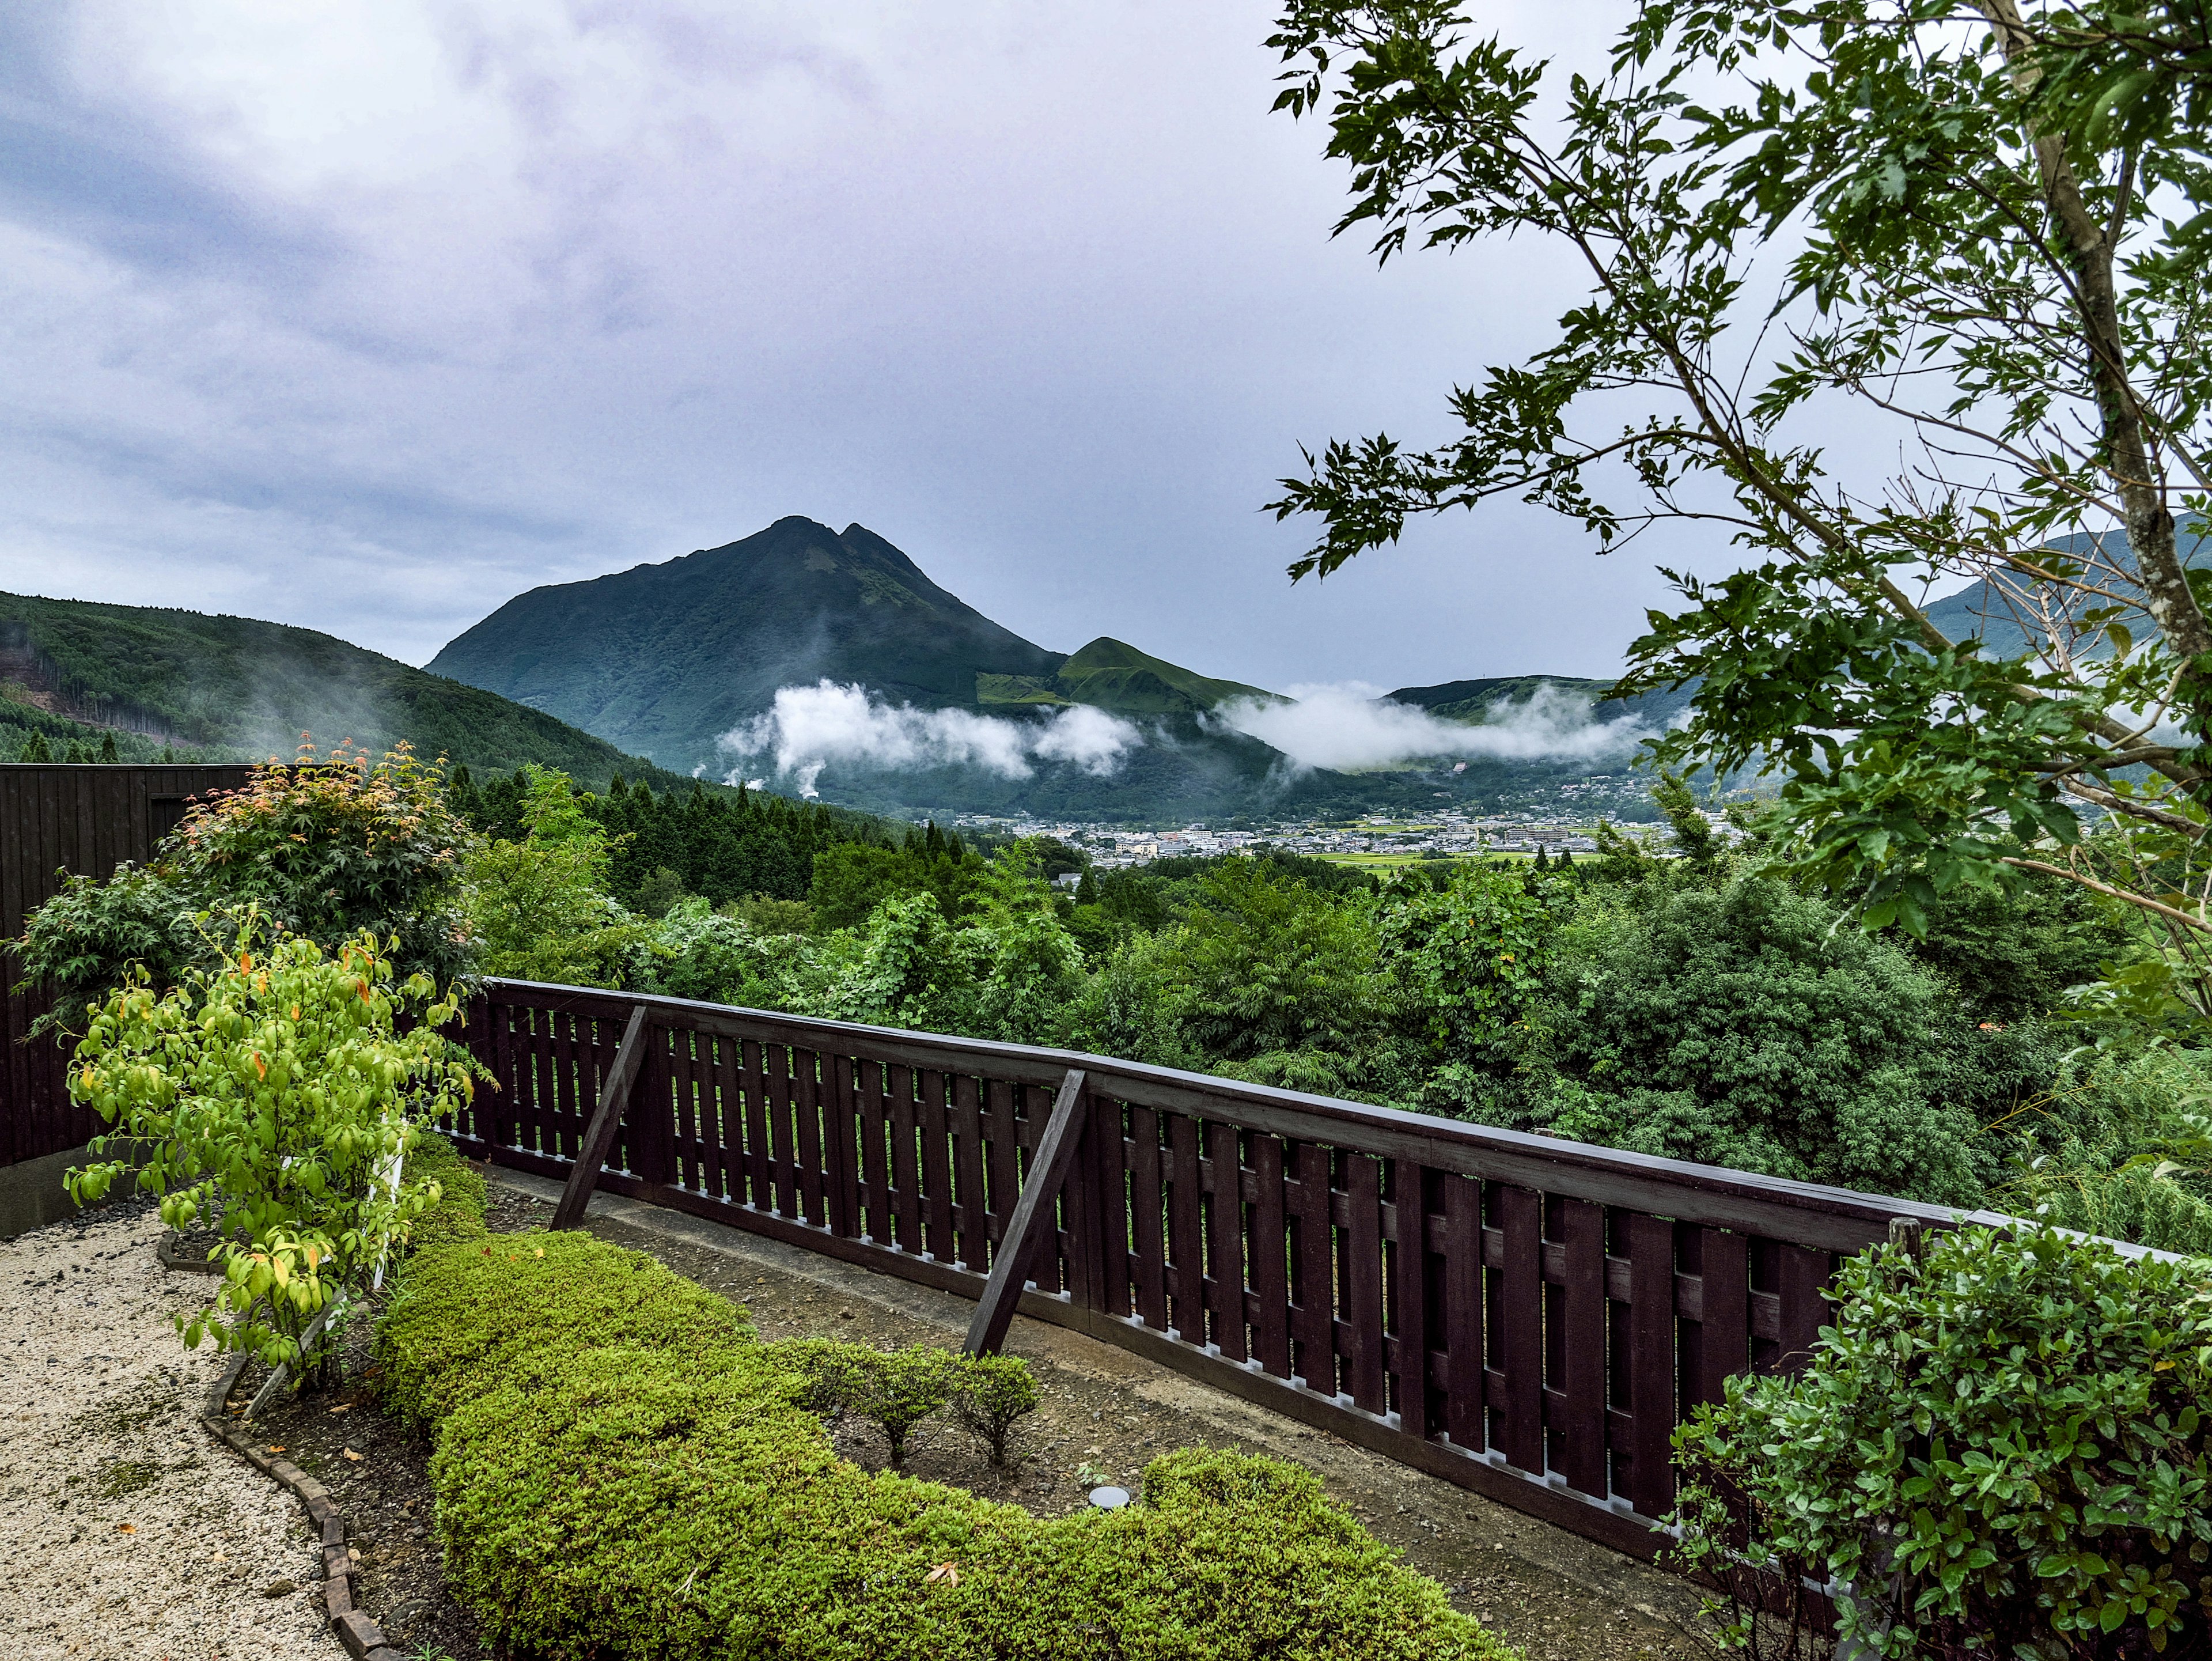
149, 680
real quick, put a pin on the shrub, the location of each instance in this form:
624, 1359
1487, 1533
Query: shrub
458, 1214
897, 1391
472, 1315
2002, 1447
271, 1100
994, 1391
329, 849
608, 1484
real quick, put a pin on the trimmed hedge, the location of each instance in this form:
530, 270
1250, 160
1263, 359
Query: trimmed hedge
460, 1212
621, 1470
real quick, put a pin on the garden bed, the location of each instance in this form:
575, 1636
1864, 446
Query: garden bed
1554, 1595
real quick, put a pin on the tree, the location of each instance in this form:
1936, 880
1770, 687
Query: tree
539, 908
272, 1098
1986, 227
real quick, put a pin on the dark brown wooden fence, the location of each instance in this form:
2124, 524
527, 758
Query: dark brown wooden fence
81, 820
1526, 1317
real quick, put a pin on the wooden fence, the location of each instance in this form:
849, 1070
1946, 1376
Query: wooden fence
1526, 1317
82, 821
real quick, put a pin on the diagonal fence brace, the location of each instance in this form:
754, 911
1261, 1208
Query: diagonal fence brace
1032, 1219
599, 1138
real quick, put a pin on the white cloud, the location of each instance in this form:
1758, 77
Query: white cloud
1348, 725
811, 728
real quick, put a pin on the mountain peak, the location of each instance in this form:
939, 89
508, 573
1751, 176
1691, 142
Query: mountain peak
674, 655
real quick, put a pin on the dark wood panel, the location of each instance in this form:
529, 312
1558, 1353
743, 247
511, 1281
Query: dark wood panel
1520, 1327
1362, 1282
1581, 1421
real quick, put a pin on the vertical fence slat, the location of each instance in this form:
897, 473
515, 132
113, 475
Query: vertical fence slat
875, 1152
1270, 1269
840, 1127
1582, 1348
1652, 1387
937, 1165
968, 1178
1520, 1326
1107, 1156
1409, 1261
1464, 1419
1804, 1309
1314, 1324
1002, 1152
806, 1109
1724, 1316
1147, 1224
1362, 1280
906, 1143
1225, 1239
1186, 1253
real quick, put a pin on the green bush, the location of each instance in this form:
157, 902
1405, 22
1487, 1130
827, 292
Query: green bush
611, 1482
475, 1314
994, 1391
458, 1214
898, 1390
2002, 1447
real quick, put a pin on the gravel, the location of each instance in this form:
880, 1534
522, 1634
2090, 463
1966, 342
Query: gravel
125, 1530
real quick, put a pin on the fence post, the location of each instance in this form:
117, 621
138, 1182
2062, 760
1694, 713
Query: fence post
1032, 1218
599, 1137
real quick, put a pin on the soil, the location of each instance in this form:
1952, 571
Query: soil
1560, 1597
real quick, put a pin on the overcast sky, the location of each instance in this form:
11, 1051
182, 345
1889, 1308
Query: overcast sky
368, 316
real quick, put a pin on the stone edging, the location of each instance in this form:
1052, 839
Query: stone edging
172, 1254
362, 1638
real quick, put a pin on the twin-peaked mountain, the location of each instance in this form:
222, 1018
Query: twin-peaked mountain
671, 660
663, 658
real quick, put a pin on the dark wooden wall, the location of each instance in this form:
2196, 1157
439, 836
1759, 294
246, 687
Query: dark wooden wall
81, 820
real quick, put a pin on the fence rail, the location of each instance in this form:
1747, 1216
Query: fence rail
1528, 1318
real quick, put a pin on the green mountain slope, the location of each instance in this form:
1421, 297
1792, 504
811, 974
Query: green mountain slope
1114, 676
235, 686
663, 658
1497, 698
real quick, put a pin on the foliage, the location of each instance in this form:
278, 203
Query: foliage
76, 945
1469, 959
1987, 226
618, 1484
2001, 1448
459, 1211
1740, 1026
443, 1342
1030, 966
994, 1391
333, 847
1263, 969
895, 1390
273, 1099
539, 907
2132, 1158
327, 849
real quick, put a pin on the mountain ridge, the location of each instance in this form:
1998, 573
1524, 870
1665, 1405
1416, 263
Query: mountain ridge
252, 689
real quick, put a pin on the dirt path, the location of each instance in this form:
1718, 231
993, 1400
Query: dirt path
125, 1530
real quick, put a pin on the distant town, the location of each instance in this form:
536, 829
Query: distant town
1376, 840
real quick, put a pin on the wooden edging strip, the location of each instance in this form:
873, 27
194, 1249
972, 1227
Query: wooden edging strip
362, 1638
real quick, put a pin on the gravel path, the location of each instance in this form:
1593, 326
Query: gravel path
125, 1530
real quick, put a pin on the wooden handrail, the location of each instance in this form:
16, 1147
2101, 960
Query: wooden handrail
1812, 1214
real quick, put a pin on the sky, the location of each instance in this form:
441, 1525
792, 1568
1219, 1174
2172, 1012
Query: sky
365, 317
